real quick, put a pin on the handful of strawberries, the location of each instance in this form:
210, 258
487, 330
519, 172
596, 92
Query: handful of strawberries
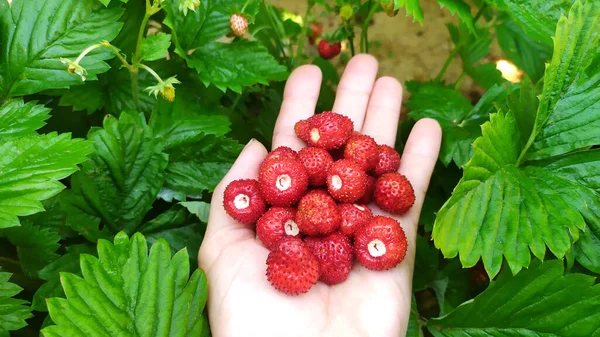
319, 220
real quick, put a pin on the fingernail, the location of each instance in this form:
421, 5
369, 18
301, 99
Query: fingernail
249, 143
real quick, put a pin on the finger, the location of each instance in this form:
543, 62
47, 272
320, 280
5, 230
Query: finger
245, 167
383, 111
299, 102
419, 158
354, 90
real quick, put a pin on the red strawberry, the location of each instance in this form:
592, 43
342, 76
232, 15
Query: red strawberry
329, 50
363, 150
282, 152
316, 29
242, 201
388, 160
318, 214
381, 244
394, 193
335, 256
317, 162
238, 24
367, 198
282, 181
291, 268
354, 216
346, 181
327, 130
275, 224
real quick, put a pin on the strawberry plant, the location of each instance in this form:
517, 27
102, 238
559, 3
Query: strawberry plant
118, 118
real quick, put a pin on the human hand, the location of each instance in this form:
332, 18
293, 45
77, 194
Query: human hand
241, 301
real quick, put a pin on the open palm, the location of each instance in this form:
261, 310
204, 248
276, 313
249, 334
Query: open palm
242, 302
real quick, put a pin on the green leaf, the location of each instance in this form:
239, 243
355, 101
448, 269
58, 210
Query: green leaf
124, 175
36, 34
414, 328
499, 209
582, 167
459, 119
412, 8
502, 208
188, 237
199, 167
36, 247
88, 97
486, 75
200, 208
527, 53
184, 121
524, 103
536, 17
462, 9
54, 218
31, 170
569, 110
155, 46
540, 301
13, 312
235, 65
225, 65
19, 119
69, 262
176, 216
128, 292
106, 2
471, 46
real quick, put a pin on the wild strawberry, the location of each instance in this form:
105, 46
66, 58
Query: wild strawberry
367, 198
381, 244
327, 130
318, 214
291, 267
388, 160
317, 162
282, 181
238, 24
275, 224
354, 216
363, 150
329, 50
243, 202
335, 256
316, 29
282, 152
346, 181
394, 193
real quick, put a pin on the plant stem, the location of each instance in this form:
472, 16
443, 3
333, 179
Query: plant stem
351, 42
457, 47
447, 63
364, 35
459, 80
277, 39
136, 58
303, 35
235, 102
152, 72
479, 12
